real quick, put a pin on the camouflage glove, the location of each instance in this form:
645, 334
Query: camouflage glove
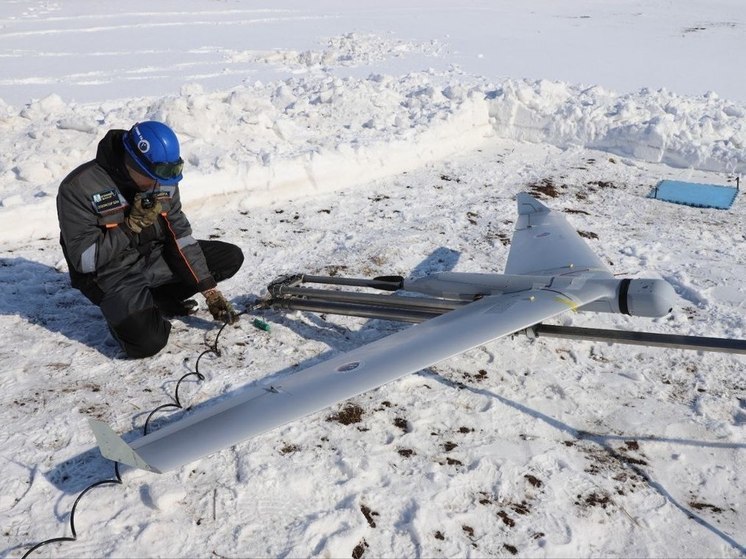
219, 307
139, 218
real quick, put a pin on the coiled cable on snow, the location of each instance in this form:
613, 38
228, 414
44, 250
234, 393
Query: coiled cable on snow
177, 401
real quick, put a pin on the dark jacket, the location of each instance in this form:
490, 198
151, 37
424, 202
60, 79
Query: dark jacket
101, 250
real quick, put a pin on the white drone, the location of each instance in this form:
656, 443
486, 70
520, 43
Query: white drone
550, 270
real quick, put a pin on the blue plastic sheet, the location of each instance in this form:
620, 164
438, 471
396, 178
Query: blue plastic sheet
697, 195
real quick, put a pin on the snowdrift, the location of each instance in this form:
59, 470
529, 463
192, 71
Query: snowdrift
315, 134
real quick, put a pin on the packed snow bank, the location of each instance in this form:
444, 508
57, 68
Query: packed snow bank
705, 133
317, 133
304, 136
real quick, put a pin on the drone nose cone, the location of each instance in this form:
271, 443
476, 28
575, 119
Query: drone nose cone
651, 297
665, 297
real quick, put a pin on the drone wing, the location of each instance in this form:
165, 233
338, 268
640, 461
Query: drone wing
545, 244
256, 410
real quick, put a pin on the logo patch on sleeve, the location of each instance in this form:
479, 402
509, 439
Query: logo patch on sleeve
107, 202
166, 192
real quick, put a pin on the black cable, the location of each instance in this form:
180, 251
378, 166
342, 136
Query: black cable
177, 402
74, 537
118, 478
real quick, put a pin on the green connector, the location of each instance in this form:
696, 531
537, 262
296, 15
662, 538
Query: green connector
258, 323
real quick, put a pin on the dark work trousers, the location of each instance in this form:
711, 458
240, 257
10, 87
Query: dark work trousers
132, 309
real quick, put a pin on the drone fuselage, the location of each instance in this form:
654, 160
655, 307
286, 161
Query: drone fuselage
637, 297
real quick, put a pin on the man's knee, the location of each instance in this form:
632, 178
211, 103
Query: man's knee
235, 261
143, 333
223, 259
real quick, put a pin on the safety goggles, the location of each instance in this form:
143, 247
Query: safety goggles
162, 170
166, 170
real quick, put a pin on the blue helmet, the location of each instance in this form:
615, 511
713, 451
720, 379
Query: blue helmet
154, 147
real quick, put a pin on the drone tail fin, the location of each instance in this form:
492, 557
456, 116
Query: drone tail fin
527, 204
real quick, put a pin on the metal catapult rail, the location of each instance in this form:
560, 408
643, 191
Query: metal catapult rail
286, 294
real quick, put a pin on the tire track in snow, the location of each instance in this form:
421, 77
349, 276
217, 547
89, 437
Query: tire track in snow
148, 73
164, 14
159, 25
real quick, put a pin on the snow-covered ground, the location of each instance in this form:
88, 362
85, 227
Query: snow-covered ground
386, 139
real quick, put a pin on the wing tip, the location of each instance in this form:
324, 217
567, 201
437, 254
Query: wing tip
113, 447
